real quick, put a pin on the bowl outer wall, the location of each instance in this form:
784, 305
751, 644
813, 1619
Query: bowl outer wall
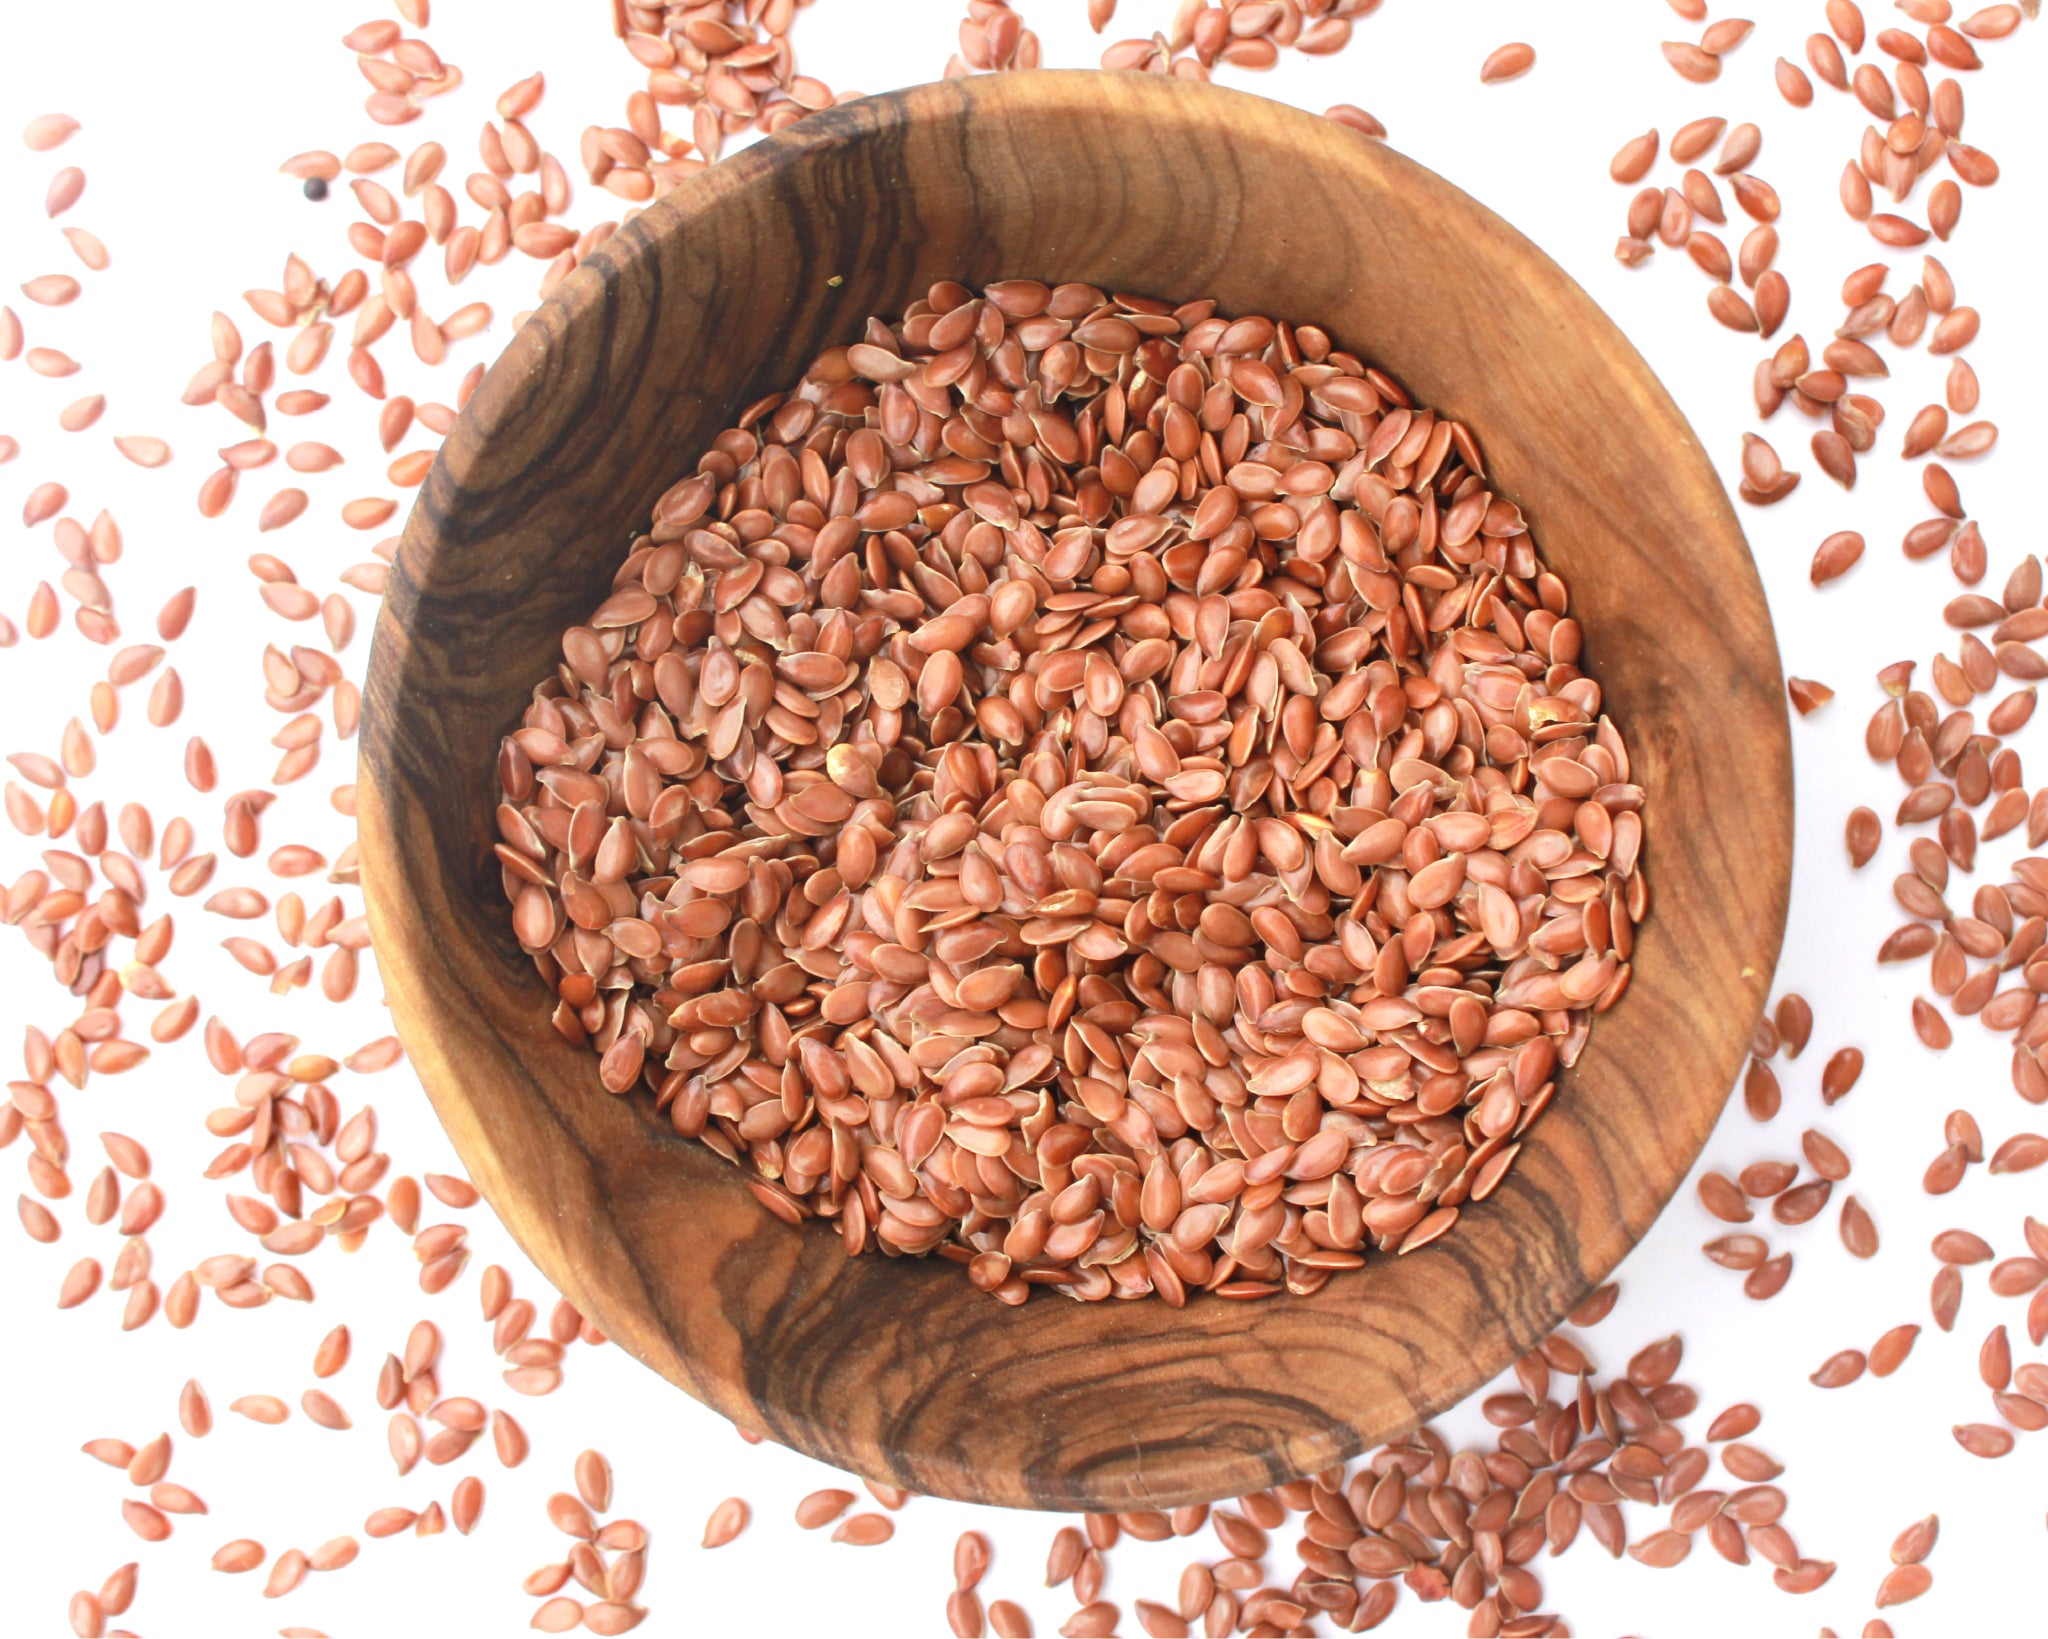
723, 291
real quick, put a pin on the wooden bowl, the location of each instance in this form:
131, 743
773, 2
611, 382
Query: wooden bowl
897, 1369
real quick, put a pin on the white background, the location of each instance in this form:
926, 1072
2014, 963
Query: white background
188, 110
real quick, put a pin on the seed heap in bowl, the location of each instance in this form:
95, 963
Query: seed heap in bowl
1091, 788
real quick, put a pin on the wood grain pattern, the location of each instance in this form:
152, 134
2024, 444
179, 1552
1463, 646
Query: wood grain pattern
724, 290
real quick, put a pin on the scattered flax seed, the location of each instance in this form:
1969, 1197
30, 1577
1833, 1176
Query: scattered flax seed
1734, 1423
1768, 1279
66, 188
1507, 62
1597, 1306
1794, 1019
727, 1521
821, 1508
1903, 1582
594, 1481
1889, 1352
508, 1439
465, 1507
2017, 1277
1632, 161
1807, 695
1008, 1620
971, 1557
449, 1191
1839, 1369
2020, 1153
143, 450
387, 1522
865, 1530
238, 1556
1994, 1359
1747, 1463
1983, 1439
37, 1220
1691, 62
1930, 1026
79, 1284
1945, 1171
1063, 1558
47, 131
1764, 478
286, 1573
1761, 1094
1961, 1246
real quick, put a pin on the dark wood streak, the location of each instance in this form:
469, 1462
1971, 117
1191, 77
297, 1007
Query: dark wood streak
899, 1370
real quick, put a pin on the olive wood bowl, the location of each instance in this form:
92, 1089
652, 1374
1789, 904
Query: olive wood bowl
724, 290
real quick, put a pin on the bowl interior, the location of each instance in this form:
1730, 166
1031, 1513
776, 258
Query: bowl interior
724, 291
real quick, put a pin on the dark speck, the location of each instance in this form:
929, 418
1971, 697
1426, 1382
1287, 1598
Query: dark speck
316, 187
